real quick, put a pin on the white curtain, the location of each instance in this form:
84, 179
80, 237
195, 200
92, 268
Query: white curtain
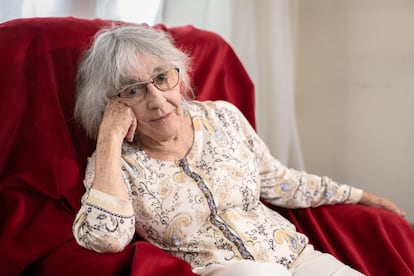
261, 32
139, 11
263, 35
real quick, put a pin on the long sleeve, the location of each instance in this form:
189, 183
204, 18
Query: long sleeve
290, 188
104, 223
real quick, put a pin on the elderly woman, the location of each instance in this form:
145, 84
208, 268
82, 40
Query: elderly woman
188, 176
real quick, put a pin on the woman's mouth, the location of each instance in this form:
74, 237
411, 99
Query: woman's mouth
163, 117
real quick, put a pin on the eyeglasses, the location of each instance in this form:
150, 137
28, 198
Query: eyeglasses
163, 81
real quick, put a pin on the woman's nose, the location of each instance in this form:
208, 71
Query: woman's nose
154, 96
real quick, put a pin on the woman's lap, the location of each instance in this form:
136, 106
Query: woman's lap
309, 262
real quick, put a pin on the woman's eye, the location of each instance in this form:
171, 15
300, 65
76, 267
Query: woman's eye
161, 78
132, 91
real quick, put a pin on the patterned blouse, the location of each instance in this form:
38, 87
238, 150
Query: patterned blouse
207, 208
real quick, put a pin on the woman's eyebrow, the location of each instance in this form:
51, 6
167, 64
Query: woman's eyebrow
129, 81
133, 80
159, 69
126, 83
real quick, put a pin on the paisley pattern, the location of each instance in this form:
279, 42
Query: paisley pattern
208, 207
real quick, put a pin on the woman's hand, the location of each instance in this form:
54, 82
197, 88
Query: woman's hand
119, 120
380, 202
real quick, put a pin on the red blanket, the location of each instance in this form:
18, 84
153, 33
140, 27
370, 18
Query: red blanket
43, 156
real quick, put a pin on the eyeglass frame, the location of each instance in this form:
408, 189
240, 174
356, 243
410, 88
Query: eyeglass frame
147, 82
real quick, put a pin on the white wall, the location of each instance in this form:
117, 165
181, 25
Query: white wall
355, 93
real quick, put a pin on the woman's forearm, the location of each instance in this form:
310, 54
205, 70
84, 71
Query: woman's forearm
108, 176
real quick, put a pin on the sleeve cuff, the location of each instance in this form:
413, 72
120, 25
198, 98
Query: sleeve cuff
109, 203
354, 196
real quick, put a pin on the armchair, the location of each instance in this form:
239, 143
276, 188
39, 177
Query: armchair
44, 151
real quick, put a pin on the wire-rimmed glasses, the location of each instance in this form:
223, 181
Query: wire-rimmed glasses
163, 81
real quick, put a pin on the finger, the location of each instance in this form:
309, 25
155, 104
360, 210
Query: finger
119, 118
131, 131
381, 202
394, 208
391, 206
109, 107
401, 213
